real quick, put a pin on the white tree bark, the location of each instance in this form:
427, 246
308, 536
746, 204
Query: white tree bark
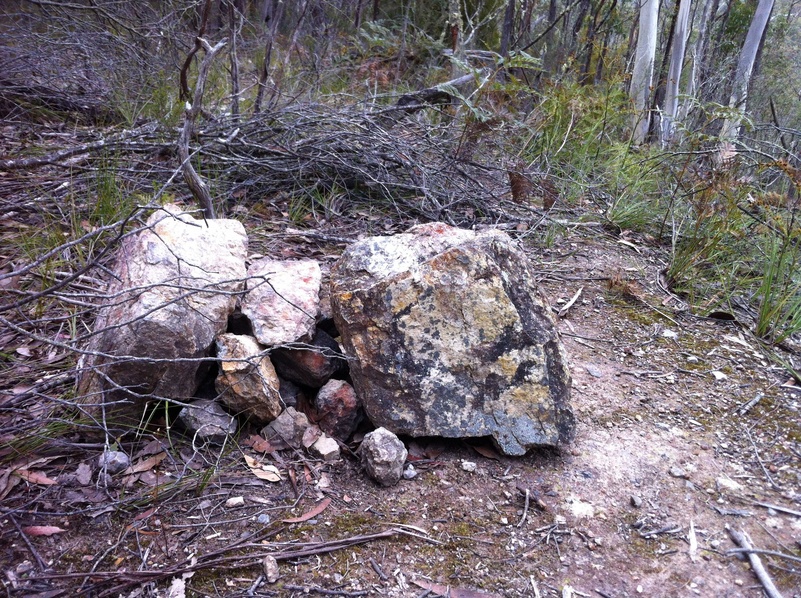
674, 71
697, 52
745, 67
643, 72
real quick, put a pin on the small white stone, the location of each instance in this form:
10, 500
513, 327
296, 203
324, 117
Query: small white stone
469, 466
271, 572
235, 501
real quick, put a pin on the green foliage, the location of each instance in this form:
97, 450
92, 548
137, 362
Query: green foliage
779, 294
737, 244
578, 137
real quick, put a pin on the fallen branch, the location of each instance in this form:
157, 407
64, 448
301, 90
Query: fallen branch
127, 579
199, 189
781, 555
742, 540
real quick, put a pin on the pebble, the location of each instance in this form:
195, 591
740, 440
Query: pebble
678, 472
235, 501
594, 371
263, 519
636, 501
270, 566
114, 461
469, 466
410, 472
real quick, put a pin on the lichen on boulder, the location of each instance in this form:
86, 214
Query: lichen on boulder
449, 337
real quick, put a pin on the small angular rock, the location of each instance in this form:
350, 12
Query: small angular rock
383, 455
271, 572
339, 409
283, 300
310, 367
287, 428
207, 421
247, 382
113, 462
291, 393
326, 448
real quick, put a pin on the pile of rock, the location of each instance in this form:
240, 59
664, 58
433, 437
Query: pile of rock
443, 333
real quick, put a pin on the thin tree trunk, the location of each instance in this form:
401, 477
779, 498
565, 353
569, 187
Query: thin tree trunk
272, 18
592, 30
674, 71
698, 52
658, 96
357, 17
745, 66
508, 27
455, 26
233, 33
644, 68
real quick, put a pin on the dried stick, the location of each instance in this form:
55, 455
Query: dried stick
780, 555
199, 189
184, 75
741, 539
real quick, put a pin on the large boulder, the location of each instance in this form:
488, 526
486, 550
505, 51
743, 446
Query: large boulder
449, 337
283, 300
176, 282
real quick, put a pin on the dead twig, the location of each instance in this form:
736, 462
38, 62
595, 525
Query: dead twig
319, 590
781, 555
199, 189
773, 484
778, 508
525, 508
741, 539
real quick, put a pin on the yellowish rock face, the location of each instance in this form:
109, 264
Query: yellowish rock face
454, 343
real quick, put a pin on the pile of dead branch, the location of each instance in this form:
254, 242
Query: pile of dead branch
346, 158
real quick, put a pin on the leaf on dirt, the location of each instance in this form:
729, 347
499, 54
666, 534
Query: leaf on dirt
269, 473
146, 464
718, 375
145, 514
24, 351
450, 592
42, 530
177, 588
154, 447
738, 340
321, 506
259, 444
35, 477
487, 452
7, 482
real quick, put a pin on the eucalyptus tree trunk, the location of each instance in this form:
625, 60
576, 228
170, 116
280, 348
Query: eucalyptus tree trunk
643, 71
455, 25
745, 67
680, 35
508, 27
698, 53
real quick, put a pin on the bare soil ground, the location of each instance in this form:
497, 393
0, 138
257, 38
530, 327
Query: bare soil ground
684, 428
